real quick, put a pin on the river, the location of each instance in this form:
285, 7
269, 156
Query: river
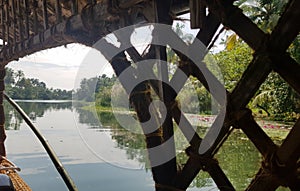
100, 155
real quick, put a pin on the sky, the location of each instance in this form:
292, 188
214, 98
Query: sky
62, 67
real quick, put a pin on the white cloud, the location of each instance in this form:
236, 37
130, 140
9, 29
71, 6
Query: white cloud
58, 67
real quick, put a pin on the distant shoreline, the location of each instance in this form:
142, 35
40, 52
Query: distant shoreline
42, 101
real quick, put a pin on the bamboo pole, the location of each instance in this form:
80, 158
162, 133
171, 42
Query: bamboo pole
14, 22
45, 15
7, 24
27, 12
2, 116
20, 21
58, 12
58, 165
35, 17
3, 26
74, 7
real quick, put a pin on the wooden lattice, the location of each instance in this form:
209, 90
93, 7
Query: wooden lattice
31, 25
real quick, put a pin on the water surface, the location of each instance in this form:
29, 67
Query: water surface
101, 155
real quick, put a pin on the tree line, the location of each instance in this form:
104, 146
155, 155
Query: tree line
17, 86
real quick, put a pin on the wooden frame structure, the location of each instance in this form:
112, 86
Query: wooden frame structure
28, 26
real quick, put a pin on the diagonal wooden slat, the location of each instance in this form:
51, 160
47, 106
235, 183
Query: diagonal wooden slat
287, 28
260, 139
288, 152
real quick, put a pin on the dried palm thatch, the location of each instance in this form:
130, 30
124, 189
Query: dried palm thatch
10, 169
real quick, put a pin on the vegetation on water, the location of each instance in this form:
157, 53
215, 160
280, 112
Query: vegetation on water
17, 86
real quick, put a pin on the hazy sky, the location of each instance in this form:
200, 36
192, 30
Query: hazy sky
58, 67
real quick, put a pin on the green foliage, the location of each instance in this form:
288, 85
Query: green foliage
20, 87
96, 89
278, 98
233, 63
265, 13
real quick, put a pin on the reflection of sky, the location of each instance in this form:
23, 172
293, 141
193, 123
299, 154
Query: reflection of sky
99, 165
89, 171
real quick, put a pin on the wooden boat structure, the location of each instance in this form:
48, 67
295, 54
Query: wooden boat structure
28, 26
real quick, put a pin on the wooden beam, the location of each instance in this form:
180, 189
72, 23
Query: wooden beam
287, 29
233, 18
258, 137
2, 115
125, 4
264, 181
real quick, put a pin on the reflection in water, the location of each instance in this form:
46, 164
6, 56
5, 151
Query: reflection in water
238, 157
33, 109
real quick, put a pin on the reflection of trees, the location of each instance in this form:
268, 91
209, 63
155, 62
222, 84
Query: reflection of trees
33, 109
238, 157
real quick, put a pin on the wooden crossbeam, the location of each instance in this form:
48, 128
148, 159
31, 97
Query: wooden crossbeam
260, 139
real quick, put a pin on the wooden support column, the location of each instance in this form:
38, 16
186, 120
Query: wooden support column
2, 116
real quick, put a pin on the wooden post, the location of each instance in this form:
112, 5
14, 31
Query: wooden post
2, 116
